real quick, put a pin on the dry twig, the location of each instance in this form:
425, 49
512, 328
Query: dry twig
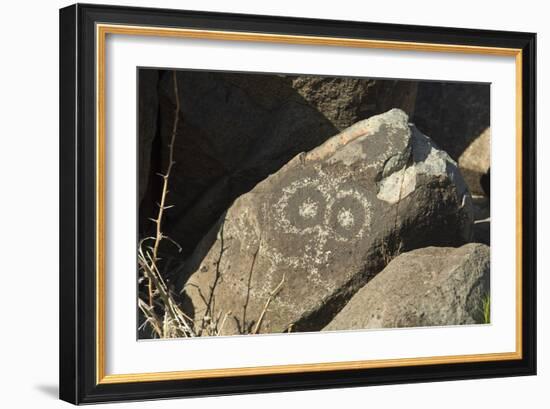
162, 205
272, 295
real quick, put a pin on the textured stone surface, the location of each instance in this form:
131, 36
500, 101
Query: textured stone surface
424, 287
328, 221
475, 162
236, 129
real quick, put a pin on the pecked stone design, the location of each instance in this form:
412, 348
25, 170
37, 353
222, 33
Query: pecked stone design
314, 205
324, 225
241, 127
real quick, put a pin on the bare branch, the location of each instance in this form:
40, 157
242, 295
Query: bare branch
166, 177
272, 295
248, 287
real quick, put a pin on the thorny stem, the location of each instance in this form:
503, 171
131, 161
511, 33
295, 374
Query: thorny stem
162, 205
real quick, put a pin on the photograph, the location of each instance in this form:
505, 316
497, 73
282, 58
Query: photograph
275, 203
262, 203
278, 204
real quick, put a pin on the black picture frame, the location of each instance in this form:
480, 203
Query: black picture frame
78, 257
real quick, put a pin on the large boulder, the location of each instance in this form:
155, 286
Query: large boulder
235, 129
424, 287
305, 239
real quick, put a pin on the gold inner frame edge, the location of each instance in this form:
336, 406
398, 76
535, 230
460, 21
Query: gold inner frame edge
101, 33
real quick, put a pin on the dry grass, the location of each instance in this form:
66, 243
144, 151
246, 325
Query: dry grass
163, 316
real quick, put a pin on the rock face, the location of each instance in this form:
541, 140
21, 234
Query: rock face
475, 162
324, 224
236, 129
424, 287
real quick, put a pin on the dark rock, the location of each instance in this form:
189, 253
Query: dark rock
236, 129
454, 114
424, 287
482, 219
485, 182
326, 222
147, 126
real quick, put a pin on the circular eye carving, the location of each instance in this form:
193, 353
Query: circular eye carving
348, 215
327, 209
305, 208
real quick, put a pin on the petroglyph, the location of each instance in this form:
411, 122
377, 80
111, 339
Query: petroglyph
308, 209
321, 219
349, 215
321, 206
345, 218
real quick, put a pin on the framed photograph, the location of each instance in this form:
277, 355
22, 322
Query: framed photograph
258, 203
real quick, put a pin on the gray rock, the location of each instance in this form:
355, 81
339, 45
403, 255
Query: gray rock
475, 162
236, 129
324, 224
424, 287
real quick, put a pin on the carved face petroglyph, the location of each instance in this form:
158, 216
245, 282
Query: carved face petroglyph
323, 208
